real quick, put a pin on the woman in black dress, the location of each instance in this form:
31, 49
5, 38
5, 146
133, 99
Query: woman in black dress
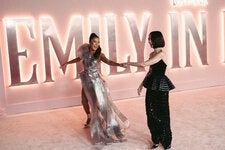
158, 86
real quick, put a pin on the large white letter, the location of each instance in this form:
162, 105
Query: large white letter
201, 45
139, 41
14, 53
50, 35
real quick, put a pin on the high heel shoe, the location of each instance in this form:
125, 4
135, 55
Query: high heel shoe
154, 146
167, 147
121, 137
86, 125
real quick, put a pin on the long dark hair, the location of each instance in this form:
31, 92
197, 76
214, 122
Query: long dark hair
98, 50
97, 53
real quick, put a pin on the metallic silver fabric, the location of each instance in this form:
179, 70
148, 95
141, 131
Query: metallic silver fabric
105, 127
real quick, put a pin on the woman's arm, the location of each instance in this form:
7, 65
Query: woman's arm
150, 61
141, 85
71, 61
109, 62
149, 72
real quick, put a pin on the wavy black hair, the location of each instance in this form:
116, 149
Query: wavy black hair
92, 36
98, 50
97, 53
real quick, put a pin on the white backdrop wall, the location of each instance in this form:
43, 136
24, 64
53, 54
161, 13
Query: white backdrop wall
194, 34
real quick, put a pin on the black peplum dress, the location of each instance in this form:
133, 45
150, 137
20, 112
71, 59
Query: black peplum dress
158, 86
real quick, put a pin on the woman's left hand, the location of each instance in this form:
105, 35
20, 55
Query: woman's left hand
124, 65
139, 90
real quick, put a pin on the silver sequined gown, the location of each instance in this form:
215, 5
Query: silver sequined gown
104, 123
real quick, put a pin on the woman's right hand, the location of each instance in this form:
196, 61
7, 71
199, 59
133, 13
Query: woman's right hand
140, 89
124, 65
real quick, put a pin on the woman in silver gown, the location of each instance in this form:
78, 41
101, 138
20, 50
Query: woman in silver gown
105, 127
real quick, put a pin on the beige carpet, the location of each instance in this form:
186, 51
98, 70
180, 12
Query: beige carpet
197, 119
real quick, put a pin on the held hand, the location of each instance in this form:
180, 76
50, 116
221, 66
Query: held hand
127, 64
124, 65
139, 89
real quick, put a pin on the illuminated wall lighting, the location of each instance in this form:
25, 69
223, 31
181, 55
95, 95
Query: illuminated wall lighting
180, 3
33, 48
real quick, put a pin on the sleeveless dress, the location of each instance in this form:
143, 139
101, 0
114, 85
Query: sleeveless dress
105, 127
157, 80
157, 104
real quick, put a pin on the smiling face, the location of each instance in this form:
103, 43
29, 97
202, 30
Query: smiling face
94, 43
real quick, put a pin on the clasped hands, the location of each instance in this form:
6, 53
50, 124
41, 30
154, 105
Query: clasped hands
125, 64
